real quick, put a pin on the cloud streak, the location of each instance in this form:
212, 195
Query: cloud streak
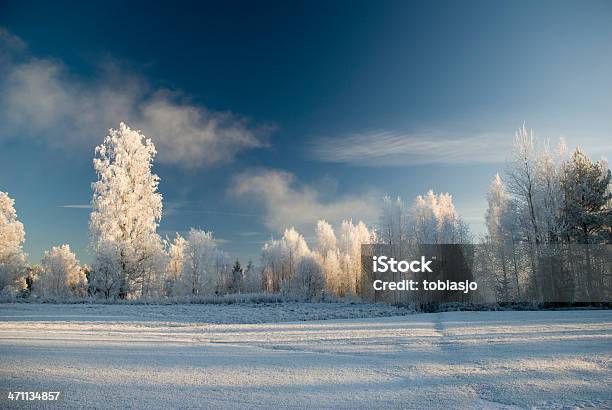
76, 206
390, 148
41, 99
287, 203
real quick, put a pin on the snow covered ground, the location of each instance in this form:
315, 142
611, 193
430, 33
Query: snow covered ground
185, 357
198, 313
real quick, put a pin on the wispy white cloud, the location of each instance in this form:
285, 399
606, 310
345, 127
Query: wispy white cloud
40, 98
389, 148
10, 42
288, 203
249, 233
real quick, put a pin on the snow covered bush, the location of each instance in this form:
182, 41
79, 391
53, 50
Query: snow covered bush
61, 276
126, 210
13, 263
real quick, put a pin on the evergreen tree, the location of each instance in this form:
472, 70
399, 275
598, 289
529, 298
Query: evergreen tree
237, 274
587, 210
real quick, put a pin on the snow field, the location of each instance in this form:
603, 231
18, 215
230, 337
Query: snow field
159, 356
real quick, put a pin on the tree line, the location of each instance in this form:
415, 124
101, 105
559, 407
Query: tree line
545, 197
548, 224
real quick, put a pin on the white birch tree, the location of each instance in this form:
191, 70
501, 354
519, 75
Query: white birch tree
176, 257
308, 281
126, 210
13, 263
198, 268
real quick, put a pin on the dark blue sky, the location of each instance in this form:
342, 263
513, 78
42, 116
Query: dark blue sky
320, 89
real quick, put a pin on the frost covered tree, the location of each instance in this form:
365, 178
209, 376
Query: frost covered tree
587, 217
176, 257
450, 226
522, 182
61, 275
587, 210
32, 275
280, 259
335, 279
338, 258
126, 210
434, 220
502, 241
498, 202
252, 281
223, 273
547, 203
393, 222
295, 248
424, 223
308, 281
394, 228
272, 263
325, 237
352, 237
198, 268
237, 276
13, 263
328, 255
549, 195
534, 182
